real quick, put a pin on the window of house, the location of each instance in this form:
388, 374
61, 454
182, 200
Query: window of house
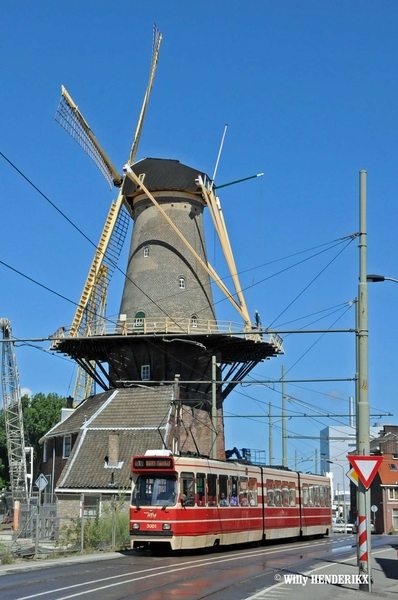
91, 506
45, 450
146, 251
181, 283
67, 445
393, 467
395, 518
393, 493
145, 372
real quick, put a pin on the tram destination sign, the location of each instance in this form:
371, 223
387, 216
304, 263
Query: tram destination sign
152, 462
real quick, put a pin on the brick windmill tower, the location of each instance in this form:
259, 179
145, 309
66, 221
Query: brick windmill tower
167, 334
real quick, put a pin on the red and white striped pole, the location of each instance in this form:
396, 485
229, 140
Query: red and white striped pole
362, 539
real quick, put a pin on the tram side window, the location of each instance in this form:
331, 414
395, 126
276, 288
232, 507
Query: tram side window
201, 489
292, 494
270, 493
278, 493
212, 490
233, 498
316, 495
252, 491
187, 488
223, 490
321, 495
305, 492
328, 496
285, 494
243, 498
311, 495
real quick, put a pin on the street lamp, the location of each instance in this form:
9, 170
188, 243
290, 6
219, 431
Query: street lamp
376, 278
333, 462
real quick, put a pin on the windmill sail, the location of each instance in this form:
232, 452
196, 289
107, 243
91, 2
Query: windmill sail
71, 119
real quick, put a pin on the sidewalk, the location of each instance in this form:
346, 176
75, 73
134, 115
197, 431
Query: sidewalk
337, 578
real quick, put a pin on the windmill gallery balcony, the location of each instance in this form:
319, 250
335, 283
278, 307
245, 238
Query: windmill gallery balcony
169, 325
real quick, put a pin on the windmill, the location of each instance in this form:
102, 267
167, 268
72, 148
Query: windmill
167, 329
90, 313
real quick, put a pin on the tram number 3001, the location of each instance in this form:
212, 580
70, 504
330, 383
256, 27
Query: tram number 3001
151, 525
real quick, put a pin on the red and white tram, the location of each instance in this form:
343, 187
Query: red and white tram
187, 502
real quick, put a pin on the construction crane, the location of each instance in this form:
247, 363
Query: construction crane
90, 312
12, 405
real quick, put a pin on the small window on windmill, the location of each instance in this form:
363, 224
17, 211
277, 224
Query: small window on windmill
141, 177
145, 372
139, 320
146, 251
181, 283
194, 321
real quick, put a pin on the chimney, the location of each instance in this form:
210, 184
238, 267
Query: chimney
113, 450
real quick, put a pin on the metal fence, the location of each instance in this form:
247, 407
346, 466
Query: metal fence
43, 533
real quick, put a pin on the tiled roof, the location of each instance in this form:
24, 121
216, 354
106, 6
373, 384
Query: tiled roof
86, 467
138, 415
118, 408
388, 470
82, 413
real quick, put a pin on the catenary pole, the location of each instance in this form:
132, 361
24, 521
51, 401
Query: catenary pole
363, 419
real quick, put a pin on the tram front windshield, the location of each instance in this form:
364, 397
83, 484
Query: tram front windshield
150, 490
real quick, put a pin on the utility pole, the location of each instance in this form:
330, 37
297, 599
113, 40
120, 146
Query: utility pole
214, 406
362, 416
270, 449
284, 451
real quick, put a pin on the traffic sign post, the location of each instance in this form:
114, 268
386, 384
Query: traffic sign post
365, 467
362, 387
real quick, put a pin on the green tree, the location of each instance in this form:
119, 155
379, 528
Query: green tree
40, 413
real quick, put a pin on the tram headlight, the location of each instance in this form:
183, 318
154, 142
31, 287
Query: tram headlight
135, 526
166, 526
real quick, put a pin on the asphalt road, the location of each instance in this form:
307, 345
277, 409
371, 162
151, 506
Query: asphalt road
243, 573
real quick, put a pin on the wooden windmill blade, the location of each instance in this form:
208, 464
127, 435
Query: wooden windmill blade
157, 40
214, 206
71, 119
92, 302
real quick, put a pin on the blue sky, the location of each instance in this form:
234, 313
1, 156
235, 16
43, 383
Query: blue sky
309, 91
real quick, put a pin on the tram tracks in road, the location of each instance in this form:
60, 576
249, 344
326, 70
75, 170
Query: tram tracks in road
177, 568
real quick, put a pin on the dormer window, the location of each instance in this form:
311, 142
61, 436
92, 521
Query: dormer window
194, 321
181, 283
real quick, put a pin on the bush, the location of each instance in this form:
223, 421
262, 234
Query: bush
6, 557
101, 530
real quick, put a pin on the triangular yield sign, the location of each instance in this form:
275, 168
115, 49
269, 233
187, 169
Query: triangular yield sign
366, 467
